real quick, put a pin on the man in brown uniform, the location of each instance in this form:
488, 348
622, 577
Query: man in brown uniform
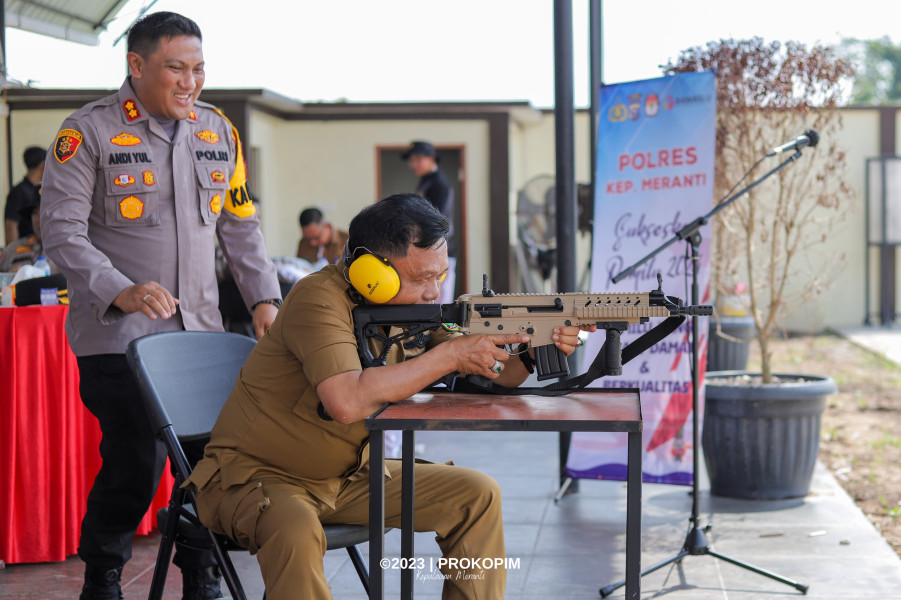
139, 186
320, 238
289, 450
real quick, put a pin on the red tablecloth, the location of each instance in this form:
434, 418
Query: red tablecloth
49, 441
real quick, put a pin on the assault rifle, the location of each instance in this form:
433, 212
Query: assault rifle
534, 314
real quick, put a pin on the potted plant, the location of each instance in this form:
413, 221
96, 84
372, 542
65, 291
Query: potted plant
730, 331
761, 430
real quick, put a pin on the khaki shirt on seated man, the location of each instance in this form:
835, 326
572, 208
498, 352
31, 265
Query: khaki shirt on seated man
321, 239
290, 452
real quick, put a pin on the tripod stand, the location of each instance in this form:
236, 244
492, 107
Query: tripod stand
695, 543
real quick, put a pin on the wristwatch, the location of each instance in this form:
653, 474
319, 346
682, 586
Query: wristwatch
276, 302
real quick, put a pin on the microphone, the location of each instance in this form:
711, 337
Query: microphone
810, 138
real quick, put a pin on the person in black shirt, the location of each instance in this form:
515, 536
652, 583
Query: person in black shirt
24, 196
422, 158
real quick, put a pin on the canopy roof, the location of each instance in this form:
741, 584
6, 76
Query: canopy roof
79, 21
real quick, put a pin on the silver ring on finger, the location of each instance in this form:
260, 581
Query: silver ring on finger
145, 298
498, 366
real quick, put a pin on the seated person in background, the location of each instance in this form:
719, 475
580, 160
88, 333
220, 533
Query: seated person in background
320, 239
25, 250
290, 448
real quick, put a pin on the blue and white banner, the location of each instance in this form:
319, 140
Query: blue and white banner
654, 175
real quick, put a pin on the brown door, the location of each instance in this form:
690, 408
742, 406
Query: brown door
394, 177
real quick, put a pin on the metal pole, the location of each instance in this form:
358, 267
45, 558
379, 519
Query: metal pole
564, 119
595, 79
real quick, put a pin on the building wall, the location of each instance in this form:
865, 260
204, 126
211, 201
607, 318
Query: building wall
30, 128
333, 164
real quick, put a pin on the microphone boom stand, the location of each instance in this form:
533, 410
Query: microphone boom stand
696, 541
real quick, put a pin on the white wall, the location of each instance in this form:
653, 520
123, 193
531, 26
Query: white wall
31, 128
332, 165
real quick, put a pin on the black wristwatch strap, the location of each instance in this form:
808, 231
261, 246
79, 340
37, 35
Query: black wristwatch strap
276, 302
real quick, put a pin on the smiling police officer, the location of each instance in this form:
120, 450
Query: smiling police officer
139, 186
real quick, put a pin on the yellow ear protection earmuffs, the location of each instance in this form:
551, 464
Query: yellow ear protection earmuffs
371, 275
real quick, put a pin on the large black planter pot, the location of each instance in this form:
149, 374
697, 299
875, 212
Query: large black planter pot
728, 355
761, 441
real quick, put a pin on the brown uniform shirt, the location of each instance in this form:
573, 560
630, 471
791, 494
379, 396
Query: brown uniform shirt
123, 204
270, 424
331, 251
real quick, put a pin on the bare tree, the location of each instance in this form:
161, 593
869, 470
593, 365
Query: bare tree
769, 92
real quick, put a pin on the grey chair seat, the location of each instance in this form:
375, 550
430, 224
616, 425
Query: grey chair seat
185, 377
195, 535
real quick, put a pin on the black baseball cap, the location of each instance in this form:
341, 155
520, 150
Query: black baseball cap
421, 148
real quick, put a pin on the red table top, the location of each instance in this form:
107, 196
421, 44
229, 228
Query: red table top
593, 410
48, 440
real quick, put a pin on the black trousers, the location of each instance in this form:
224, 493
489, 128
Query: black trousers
133, 461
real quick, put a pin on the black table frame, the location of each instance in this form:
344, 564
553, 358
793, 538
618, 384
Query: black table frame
377, 427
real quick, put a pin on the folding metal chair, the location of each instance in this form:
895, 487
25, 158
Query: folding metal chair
185, 378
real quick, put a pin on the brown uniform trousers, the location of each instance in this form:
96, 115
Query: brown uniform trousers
280, 522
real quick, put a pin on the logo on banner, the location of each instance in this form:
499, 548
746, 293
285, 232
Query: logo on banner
617, 113
634, 107
651, 105
669, 103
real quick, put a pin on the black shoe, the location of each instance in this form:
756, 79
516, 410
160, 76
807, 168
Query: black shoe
201, 584
101, 584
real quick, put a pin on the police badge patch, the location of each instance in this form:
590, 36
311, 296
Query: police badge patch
210, 137
67, 143
125, 139
131, 207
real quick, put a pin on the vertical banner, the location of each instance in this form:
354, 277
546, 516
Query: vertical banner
654, 175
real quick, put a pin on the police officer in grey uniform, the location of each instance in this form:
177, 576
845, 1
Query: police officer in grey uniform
139, 186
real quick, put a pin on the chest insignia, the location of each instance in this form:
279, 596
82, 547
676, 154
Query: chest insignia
210, 137
67, 143
192, 116
124, 180
217, 176
125, 139
131, 207
216, 204
149, 177
131, 110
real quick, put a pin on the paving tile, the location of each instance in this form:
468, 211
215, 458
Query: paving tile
573, 548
